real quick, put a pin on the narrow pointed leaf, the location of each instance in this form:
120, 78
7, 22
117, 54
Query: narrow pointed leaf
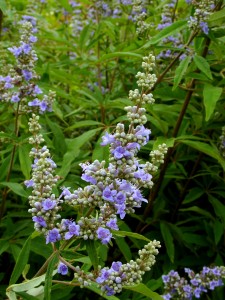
203, 65
144, 290
48, 278
180, 71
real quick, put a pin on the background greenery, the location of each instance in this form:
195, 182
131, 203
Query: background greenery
92, 73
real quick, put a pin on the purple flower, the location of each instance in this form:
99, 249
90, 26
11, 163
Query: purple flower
121, 152
107, 139
8, 84
109, 290
120, 198
108, 194
204, 27
53, 236
40, 220
27, 74
112, 224
16, 51
142, 132
121, 210
15, 98
35, 102
104, 235
33, 39
43, 106
62, 269
116, 265
89, 178
37, 90
29, 183
48, 204
73, 230
104, 275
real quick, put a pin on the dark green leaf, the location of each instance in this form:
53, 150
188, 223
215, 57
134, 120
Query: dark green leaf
48, 278
211, 95
203, 65
180, 71
168, 240
16, 188
130, 234
21, 262
25, 161
144, 290
92, 253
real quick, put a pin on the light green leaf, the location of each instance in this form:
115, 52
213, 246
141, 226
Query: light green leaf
180, 71
21, 262
26, 286
48, 278
25, 161
130, 234
211, 95
26, 296
16, 188
144, 290
177, 26
217, 16
3, 6
168, 240
203, 65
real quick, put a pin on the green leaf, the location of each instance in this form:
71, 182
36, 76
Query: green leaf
180, 71
211, 95
130, 234
119, 54
84, 124
94, 288
26, 296
124, 248
199, 211
27, 285
218, 229
21, 262
92, 253
3, 6
177, 26
203, 65
25, 161
218, 207
205, 148
16, 188
73, 146
144, 290
48, 278
168, 239
217, 16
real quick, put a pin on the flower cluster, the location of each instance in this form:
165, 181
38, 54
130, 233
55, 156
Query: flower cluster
168, 17
111, 280
203, 9
19, 86
115, 189
140, 16
199, 283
